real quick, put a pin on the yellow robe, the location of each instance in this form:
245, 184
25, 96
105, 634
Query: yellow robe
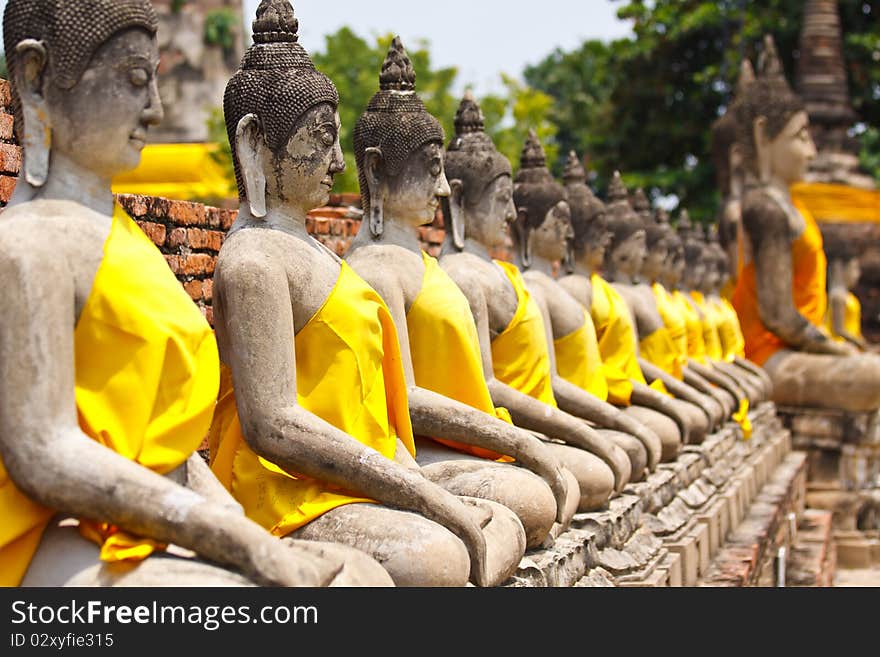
445, 349
673, 319
852, 318
617, 341
578, 360
349, 373
709, 321
520, 356
146, 380
660, 350
695, 340
732, 341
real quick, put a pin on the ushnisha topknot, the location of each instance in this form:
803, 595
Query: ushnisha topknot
622, 219
769, 96
395, 120
71, 32
586, 210
684, 225
658, 230
276, 81
534, 189
471, 156
723, 134
642, 206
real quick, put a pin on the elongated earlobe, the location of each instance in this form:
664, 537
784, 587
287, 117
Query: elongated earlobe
250, 152
372, 167
523, 234
762, 148
456, 210
37, 130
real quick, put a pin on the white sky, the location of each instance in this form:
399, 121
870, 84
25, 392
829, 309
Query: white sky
482, 38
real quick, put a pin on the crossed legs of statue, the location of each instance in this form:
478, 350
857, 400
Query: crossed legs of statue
520, 490
849, 383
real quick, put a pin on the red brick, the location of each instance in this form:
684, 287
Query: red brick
337, 226
6, 122
7, 186
155, 232
340, 247
310, 225
198, 238
193, 289
10, 158
436, 235
198, 264
208, 289
322, 226
208, 311
227, 218
187, 214
176, 263
5, 94
135, 204
434, 250
177, 238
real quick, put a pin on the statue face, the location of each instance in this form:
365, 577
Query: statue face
711, 276
693, 276
674, 270
629, 256
790, 153
550, 239
302, 173
101, 123
489, 218
414, 195
655, 261
852, 273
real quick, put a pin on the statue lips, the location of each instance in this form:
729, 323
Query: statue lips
138, 138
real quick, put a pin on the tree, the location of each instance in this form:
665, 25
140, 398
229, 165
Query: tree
644, 105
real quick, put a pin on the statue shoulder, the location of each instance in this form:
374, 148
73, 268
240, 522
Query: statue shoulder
763, 217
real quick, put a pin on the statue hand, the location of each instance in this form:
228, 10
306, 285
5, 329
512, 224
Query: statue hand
652, 443
282, 563
465, 522
621, 467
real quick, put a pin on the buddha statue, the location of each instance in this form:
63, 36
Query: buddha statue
781, 296
727, 161
459, 432
510, 327
617, 338
542, 233
843, 318
109, 371
312, 433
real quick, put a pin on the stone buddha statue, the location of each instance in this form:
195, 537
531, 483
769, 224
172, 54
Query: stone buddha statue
312, 432
510, 327
109, 372
728, 163
843, 319
542, 233
459, 432
618, 339
780, 295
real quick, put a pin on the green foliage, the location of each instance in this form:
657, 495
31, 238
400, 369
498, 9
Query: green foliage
177, 5
220, 28
223, 154
870, 155
645, 105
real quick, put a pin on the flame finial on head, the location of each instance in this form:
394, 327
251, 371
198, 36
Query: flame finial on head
532, 156
469, 117
275, 22
574, 169
616, 189
397, 70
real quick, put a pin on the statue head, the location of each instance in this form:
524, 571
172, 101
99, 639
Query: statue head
281, 119
588, 218
674, 266
715, 261
398, 146
83, 78
480, 202
772, 125
543, 217
694, 257
627, 250
657, 243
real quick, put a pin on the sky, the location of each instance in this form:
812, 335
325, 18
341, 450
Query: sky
482, 38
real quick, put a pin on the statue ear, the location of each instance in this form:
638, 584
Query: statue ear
37, 137
523, 232
373, 162
456, 213
568, 260
250, 150
762, 148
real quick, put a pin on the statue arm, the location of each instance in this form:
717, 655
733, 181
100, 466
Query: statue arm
438, 416
837, 301
57, 465
768, 229
642, 395
697, 382
527, 412
680, 389
716, 377
253, 304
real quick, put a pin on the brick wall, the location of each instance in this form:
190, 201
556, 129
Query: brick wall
10, 153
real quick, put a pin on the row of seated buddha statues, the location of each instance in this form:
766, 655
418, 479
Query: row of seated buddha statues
383, 419
761, 147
